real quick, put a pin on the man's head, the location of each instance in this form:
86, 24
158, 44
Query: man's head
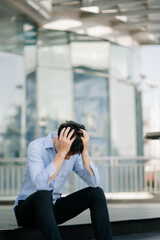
77, 145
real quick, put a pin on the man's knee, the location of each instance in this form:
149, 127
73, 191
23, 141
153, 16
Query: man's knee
96, 193
43, 195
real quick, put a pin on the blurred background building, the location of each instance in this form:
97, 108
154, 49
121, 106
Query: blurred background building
78, 60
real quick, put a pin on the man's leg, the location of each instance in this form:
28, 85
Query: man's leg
37, 211
75, 203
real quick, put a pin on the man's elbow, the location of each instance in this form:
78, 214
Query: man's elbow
39, 183
95, 184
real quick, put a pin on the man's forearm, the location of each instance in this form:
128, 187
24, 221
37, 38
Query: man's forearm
58, 161
86, 161
62, 144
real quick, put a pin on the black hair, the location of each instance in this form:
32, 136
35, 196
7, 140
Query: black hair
77, 145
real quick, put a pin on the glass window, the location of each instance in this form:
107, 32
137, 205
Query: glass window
30, 56
90, 59
11, 37
54, 86
122, 103
123, 119
12, 105
54, 98
92, 55
121, 62
91, 109
54, 56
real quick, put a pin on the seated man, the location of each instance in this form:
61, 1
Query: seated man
50, 161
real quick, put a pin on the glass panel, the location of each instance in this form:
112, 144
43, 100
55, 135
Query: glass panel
92, 55
54, 98
91, 109
123, 119
90, 59
31, 106
53, 49
54, 56
30, 57
12, 105
55, 90
52, 38
121, 62
136, 67
122, 99
11, 37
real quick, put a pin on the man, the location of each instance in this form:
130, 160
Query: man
50, 161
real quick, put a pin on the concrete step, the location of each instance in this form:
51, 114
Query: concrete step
141, 236
121, 230
127, 220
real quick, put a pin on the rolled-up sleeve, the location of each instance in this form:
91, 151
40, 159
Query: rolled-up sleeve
39, 173
83, 172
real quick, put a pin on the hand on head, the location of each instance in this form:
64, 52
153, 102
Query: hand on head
65, 140
85, 139
73, 135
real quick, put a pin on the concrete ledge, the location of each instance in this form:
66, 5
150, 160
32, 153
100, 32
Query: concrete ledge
83, 231
129, 196
117, 197
70, 232
135, 226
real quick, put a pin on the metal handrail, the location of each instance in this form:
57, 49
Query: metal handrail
117, 174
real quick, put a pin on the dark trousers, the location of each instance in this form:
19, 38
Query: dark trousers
38, 211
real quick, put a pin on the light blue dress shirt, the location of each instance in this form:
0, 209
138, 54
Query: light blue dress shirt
40, 168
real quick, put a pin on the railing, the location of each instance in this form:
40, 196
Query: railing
117, 174
152, 176
11, 176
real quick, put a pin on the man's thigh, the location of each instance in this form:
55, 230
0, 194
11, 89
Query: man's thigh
70, 206
26, 210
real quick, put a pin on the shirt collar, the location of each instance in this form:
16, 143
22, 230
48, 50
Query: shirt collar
48, 143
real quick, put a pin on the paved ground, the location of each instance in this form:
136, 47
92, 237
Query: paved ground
147, 236
117, 212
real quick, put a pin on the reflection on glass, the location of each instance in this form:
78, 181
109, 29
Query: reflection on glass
11, 107
90, 55
91, 109
54, 98
30, 106
11, 37
123, 119
122, 103
54, 87
121, 62
54, 56
30, 55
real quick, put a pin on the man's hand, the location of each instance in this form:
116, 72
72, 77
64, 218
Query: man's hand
85, 155
85, 140
64, 142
